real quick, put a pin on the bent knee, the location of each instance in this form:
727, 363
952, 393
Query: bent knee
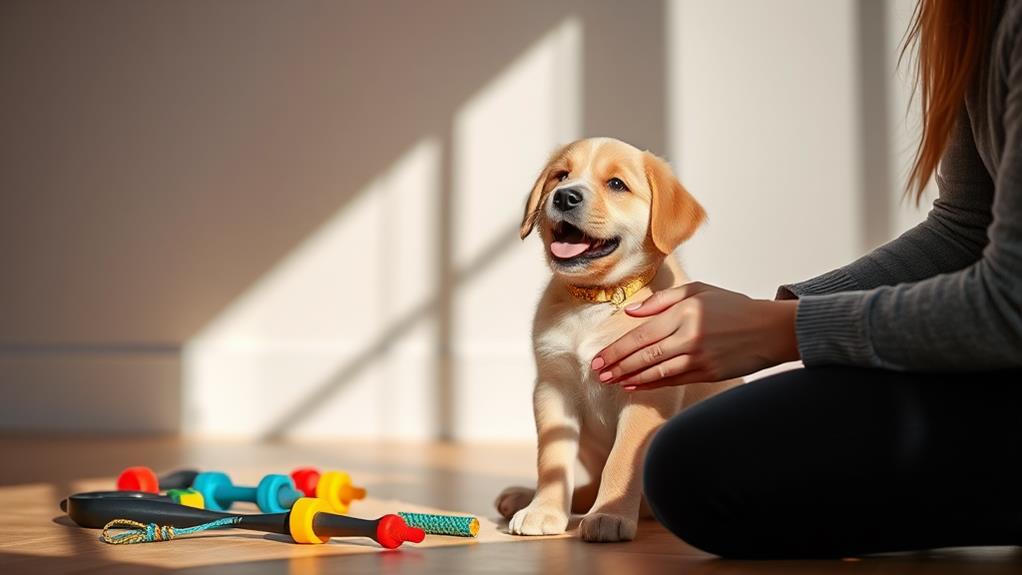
684, 482
679, 486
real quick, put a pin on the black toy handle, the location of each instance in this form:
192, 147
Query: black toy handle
97, 508
180, 479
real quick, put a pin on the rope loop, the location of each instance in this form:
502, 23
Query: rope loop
136, 532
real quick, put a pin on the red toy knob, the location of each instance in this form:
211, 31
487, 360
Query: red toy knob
392, 531
138, 479
306, 479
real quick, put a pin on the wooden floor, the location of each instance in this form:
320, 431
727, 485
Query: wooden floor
36, 538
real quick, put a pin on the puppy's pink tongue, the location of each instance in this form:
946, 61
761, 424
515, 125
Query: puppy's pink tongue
565, 250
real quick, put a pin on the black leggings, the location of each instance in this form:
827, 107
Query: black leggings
835, 462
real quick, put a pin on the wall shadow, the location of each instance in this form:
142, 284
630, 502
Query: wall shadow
635, 115
875, 151
161, 158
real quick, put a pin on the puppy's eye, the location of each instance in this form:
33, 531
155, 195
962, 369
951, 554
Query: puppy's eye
617, 185
561, 176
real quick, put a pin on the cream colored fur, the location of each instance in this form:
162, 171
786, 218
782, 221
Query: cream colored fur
578, 418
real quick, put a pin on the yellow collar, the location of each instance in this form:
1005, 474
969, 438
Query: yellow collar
615, 295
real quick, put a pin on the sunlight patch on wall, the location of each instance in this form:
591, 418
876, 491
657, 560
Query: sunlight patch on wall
292, 335
340, 338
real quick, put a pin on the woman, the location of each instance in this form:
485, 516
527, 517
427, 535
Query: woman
904, 430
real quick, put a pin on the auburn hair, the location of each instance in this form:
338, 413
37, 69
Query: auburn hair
951, 39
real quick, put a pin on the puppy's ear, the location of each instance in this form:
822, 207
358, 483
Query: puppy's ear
537, 195
674, 214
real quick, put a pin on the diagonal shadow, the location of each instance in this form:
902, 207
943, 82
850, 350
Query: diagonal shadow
602, 114
347, 372
245, 120
265, 132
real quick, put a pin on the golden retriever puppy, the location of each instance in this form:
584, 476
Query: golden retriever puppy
610, 217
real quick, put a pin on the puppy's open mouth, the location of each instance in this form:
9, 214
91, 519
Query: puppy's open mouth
571, 243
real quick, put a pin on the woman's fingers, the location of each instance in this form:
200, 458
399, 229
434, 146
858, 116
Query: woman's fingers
656, 370
653, 356
664, 299
646, 334
693, 376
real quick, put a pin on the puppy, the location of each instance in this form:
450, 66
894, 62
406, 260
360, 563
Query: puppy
610, 217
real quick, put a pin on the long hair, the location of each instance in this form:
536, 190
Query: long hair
951, 38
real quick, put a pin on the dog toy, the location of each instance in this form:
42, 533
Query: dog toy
188, 497
274, 494
146, 518
333, 486
142, 478
442, 524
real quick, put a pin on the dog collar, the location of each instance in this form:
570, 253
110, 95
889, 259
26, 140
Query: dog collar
616, 295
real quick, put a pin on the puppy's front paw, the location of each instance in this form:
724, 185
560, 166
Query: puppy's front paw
512, 500
538, 520
606, 528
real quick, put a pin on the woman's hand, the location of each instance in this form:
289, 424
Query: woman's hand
699, 332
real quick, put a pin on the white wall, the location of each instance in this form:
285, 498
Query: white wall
295, 230
765, 133
768, 131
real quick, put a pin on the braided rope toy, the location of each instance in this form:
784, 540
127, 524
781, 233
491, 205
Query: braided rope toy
459, 526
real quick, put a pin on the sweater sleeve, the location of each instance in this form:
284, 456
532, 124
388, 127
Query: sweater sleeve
959, 319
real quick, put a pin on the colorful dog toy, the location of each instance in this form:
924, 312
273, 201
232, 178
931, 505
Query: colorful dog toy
150, 519
275, 493
442, 524
186, 497
144, 479
333, 486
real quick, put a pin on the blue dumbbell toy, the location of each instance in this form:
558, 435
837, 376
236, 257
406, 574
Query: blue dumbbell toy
275, 493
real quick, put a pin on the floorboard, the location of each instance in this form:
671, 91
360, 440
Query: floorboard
35, 537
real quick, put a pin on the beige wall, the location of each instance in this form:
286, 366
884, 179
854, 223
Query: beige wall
788, 122
297, 218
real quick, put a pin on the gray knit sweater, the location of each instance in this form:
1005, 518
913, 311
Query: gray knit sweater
947, 294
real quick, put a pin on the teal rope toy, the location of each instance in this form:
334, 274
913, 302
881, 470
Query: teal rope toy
460, 526
136, 532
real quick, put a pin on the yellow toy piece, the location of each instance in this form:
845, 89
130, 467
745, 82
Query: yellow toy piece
300, 520
187, 497
192, 498
336, 489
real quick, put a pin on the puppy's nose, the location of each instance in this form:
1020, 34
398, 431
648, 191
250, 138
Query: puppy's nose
567, 199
